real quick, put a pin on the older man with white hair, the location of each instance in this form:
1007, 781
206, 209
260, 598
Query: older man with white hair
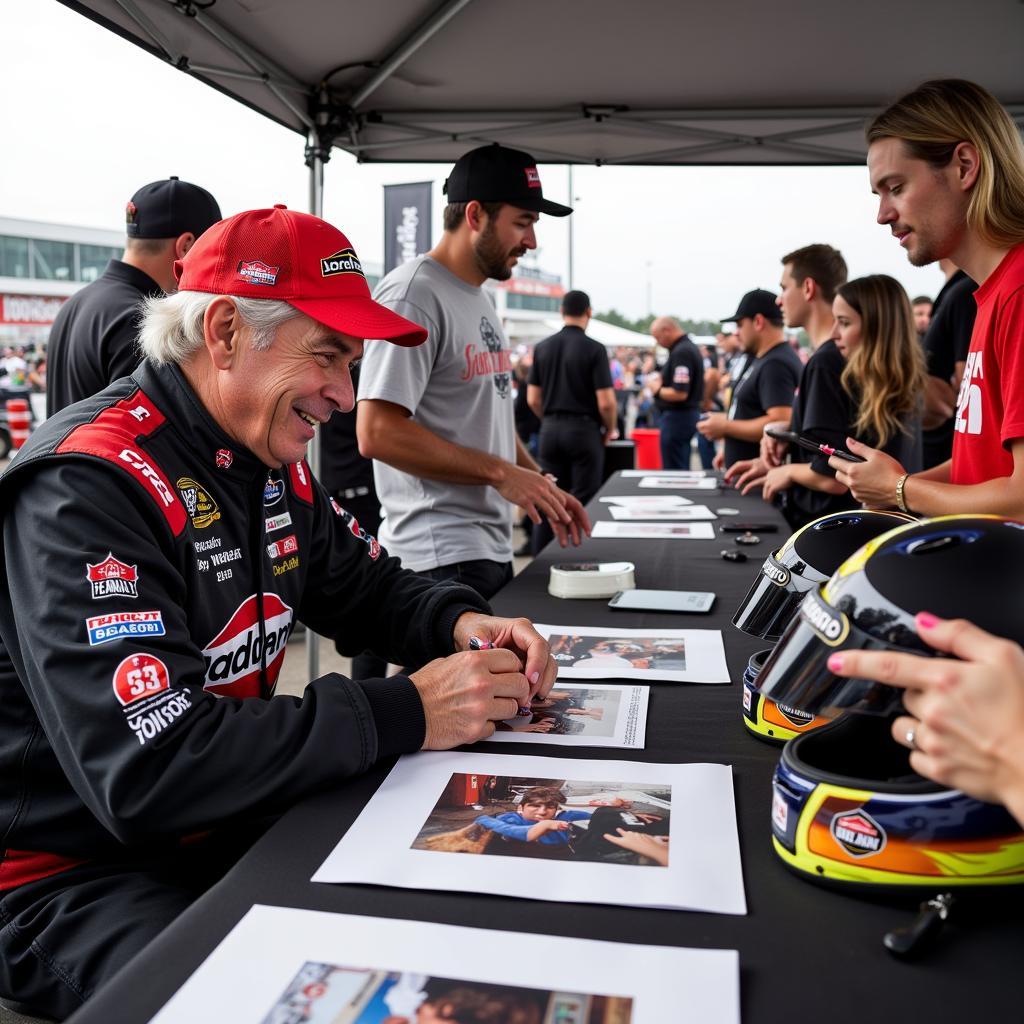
161, 539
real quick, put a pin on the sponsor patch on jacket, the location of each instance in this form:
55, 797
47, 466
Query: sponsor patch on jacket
360, 534
201, 508
105, 629
338, 510
273, 523
223, 458
257, 272
344, 261
681, 375
858, 833
285, 546
142, 685
112, 578
272, 491
138, 676
302, 481
235, 655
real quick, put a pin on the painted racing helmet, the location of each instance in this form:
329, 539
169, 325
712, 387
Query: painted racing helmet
945, 565
768, 721
805, 561
848, 809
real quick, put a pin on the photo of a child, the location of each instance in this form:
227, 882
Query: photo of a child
604, 822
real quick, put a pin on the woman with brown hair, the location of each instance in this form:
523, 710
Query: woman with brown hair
882, 384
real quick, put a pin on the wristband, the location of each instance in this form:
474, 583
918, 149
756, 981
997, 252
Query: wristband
900, 501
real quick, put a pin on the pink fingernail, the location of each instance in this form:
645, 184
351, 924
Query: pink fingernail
835, 663
534, 677
927, 620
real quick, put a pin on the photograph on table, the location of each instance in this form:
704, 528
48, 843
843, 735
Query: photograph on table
581, 714
680, 512
674, 474
680, 483
654, 531
280, 965
642, 655
551, 819
616, 832
332, 994
646, 500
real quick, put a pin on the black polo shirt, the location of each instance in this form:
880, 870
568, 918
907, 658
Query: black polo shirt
94, 337
569, 368
770, 381
683, 371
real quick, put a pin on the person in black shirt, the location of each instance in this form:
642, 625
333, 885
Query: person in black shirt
93, 340
570, 390
678, 399
764, 394
807, 288
945, 348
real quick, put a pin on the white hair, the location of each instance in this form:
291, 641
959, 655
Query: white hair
172, 325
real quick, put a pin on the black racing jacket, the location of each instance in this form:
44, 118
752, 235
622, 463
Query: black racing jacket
154, 571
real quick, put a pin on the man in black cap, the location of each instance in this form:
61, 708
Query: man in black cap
764, 394
438, 419
93, 339
570, 389
678, 399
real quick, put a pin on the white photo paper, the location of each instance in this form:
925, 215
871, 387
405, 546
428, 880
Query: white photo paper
646, 500
280, 965
574, 831
643, 655
582, 715
638, 531
684, 483
680, 512
676, 474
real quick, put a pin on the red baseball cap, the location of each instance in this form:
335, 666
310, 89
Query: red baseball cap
299, 259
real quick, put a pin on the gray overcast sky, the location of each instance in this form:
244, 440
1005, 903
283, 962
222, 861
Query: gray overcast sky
88, 118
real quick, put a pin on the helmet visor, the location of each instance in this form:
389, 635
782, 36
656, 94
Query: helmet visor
797, 674
771, 602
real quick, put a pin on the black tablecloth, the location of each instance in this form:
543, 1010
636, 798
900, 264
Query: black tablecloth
806, 954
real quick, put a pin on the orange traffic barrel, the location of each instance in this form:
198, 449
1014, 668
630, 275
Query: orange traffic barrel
19, 421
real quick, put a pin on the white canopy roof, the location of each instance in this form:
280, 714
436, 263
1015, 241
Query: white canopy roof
600, 81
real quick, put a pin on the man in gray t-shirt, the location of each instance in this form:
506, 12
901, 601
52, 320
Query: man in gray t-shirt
438, 420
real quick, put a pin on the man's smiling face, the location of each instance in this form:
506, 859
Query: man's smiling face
276, 397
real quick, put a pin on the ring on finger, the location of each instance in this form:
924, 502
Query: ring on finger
911, 738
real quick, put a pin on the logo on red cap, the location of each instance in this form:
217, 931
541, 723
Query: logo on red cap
257, 272
532, 177
344, 261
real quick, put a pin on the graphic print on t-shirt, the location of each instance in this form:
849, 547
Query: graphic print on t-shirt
491, 359
969, 404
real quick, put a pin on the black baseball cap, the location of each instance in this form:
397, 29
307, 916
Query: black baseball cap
758, 301
166, 209
494, 174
